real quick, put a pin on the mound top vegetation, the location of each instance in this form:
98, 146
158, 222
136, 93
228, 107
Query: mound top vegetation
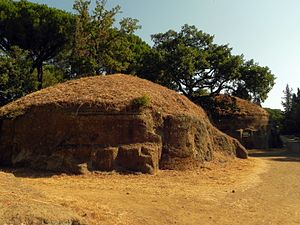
110, 93
92, 124
232, 106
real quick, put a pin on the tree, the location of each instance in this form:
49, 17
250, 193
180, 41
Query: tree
16, 79
191, 63
287, 99
254, 83
40, 30
52, 75
99, 47
139, 50
183, 58
152, 69
276, 117
291, 104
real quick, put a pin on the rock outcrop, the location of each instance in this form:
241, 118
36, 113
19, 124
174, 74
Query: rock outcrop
95, 123
241, 119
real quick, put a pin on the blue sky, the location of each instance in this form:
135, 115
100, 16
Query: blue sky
267, 31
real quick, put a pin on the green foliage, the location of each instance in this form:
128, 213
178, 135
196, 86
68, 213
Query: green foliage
89, 43
276, 116
143, 101
41, 30
139, 51
152, 69
16, 79
101, 48
129, 25
183, 59
291, 103
52, 75
189, 61
200, 93
287, 99
254, 83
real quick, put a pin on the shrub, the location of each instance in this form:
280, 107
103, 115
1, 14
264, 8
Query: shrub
142, 101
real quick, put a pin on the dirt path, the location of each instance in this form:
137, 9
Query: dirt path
273, 199
261, 190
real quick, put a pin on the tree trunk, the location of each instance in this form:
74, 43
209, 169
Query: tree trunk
39, 68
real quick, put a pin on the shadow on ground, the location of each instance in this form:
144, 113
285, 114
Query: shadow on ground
33, 173
28, 173
281, 155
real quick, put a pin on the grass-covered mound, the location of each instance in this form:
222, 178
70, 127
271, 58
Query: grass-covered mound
115, 122
238, 118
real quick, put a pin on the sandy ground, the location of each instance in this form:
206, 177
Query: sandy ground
264, 189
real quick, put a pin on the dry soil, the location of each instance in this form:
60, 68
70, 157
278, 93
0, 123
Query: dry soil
264, 189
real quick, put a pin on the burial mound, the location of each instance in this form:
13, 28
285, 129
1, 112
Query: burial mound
114, 122
239, 118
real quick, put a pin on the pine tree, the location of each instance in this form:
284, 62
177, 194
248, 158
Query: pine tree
291, 104
287, 99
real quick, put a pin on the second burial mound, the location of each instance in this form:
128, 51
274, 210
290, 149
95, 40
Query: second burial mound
239, 118
114, 122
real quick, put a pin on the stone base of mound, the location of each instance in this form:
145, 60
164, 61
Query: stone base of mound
79, 160
66, 140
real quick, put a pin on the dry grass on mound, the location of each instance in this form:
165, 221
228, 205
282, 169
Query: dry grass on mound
240, 107
113, 92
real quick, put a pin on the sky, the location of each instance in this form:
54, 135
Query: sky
267, 31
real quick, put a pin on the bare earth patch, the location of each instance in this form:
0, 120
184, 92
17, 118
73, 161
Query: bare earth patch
170, 197
260, 190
